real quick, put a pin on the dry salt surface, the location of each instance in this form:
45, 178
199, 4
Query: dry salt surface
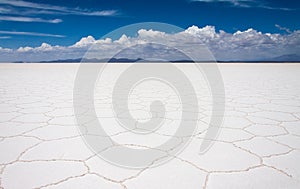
258, 145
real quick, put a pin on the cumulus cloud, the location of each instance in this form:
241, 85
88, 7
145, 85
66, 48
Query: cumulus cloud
5, 50
24, 49
85, 41
241, 45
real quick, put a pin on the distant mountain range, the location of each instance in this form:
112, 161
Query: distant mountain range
112, 60
288, 57
282, 58
279, 59
93, 60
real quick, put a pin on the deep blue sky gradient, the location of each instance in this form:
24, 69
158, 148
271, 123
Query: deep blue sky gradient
183, 13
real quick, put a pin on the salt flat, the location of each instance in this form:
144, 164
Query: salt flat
258, 145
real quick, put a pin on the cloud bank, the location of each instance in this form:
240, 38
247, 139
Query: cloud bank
245, 45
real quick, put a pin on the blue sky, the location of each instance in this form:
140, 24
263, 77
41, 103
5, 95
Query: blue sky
33, 22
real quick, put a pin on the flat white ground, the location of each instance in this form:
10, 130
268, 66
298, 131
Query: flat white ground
258, 145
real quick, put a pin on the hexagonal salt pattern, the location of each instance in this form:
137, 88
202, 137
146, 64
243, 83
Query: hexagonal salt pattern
257, 147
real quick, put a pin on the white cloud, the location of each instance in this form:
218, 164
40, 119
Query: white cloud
123, 40
283, 28
237, 3
206, 32
24, 49
85, 41
5, 37
44, 47
4, 10
29, 33
29, 19
150, 33
39, 8
246, 4
5, 50
241, 45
